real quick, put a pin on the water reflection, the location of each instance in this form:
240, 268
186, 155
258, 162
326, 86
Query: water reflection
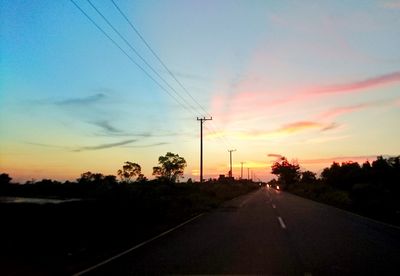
10, 199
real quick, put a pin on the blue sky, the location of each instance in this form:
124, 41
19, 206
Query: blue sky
315, 81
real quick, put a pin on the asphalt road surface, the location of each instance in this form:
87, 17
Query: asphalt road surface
271, 233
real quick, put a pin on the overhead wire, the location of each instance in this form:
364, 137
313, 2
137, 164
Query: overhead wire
212, 129
221, 138
128, 56
217, 136
139, 55
158, 57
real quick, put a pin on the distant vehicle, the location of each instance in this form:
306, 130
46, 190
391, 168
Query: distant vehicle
277, 187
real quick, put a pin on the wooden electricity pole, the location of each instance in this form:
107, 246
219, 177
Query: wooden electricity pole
201, 144
230, 161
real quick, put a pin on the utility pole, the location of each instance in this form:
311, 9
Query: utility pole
248, 173
201, 144
230, 161
241, 170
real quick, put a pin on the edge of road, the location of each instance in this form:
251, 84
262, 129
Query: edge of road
346, 211
93, 267
137, 246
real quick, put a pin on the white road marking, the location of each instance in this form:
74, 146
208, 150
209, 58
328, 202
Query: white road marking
274, 206
245, 201
135, 247
281, 223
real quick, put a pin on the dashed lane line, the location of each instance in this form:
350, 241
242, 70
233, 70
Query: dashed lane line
281, 223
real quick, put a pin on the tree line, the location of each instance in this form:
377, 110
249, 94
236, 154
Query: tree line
170, 168
372, 188
169, 171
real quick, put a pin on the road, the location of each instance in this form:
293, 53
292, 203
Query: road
268, 232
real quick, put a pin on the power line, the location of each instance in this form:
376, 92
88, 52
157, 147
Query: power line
222, 138
217, 136
138, 54
158, 57
127, 55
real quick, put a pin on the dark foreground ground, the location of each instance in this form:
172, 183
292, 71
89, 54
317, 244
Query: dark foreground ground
268, 233
61, 239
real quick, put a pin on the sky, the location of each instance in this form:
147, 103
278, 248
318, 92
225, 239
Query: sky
314, 81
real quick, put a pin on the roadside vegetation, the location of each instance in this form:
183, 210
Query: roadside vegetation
110, 213
369, 189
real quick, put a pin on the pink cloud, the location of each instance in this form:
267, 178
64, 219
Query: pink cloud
257, 101
299, 126
330, 126
395, 5
335, 112
357, 85
283, 131
274, 155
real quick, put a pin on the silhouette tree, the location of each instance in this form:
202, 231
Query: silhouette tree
287, 173
308, 177
110, 180
130, 170
171, 167
5, 179
331, 175
343, 176
89, 177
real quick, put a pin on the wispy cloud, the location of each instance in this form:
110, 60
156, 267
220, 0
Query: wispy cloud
109, 130
105, 146
251, 101
393, 5
299, 126
339, 159
82, 101
106, 126
99, 147
357, 85
341, 110
330, 126
285, 130
149, 145
120, 133
274, 155
47, 145
335, 112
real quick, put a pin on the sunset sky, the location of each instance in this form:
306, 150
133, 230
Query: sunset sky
315, 81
